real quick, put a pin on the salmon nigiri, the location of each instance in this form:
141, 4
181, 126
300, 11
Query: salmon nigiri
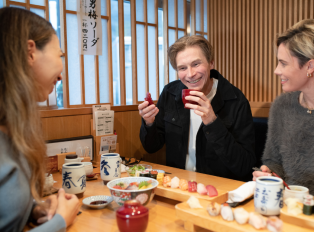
167, 181
183, 184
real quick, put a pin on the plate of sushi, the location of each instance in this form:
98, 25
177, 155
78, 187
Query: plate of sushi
212, 215
129, 188
181, 189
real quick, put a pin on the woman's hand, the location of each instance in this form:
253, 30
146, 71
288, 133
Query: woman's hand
204, 107
148, 113
265, 172
68, 206
44, 212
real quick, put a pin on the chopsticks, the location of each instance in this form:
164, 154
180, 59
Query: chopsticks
282, 180
274, 174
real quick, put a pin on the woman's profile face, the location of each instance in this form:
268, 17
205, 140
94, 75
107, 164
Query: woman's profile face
293, 78
47, 66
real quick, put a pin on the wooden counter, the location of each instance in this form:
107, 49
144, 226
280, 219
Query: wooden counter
162, 212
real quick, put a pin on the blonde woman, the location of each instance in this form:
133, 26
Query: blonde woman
289, 150
30, 66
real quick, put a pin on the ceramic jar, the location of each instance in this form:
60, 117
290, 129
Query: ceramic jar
132, 217
268, 195
74, 178
110, 167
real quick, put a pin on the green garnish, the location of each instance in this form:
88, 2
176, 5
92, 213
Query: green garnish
121, 184
143, 183
135, 168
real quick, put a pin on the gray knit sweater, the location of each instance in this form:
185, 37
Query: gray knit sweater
289, 150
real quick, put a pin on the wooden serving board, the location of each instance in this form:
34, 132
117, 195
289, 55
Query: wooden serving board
180, 195
300, 220
194, 219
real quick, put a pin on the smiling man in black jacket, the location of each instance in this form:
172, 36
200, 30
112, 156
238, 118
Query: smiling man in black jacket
213, 136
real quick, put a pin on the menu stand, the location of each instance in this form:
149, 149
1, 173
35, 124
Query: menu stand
97, 141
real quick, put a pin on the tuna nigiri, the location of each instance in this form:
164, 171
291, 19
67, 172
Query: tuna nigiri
211, 191
192, 186
183, 184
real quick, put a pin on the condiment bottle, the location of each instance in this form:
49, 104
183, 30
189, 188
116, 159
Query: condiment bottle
132, 217
308, 204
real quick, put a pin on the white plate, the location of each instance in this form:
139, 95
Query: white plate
88, 200
159, 171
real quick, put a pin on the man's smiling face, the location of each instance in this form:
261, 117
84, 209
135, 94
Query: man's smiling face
194, 70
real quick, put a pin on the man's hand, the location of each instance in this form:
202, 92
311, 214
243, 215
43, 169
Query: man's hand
204, 107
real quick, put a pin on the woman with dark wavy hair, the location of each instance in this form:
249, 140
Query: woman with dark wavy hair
30, 66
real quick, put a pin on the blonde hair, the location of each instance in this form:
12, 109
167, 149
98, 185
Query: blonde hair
189, 41
19, 90
299, 39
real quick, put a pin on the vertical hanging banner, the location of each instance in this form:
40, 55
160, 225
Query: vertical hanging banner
89, 27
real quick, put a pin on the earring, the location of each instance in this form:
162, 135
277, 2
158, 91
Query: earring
309, 74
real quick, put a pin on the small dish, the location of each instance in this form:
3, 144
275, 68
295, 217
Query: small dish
159, 171
88, 200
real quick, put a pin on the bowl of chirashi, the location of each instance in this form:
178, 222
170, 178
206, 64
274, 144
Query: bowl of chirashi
127, 188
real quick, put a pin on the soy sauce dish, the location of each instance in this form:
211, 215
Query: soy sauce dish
97, 202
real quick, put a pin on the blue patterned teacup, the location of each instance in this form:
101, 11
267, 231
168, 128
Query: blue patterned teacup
268, 195
110, 166
74, 178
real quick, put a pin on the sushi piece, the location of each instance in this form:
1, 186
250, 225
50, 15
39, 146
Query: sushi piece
294, 206
160, 178
257, 220
201, 189
211, 191
241, 215
183, 184
274, 224
144, 173
153, 174
167, 181
226, 212
192, 186
213, 209
194, 203
175, 182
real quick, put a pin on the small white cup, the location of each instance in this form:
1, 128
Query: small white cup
74, 178
110, 166
88, 167
295, 191
268, 195
78, 159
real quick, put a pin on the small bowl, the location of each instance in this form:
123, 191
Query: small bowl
131, 173
88, 200
144, 196
295, 191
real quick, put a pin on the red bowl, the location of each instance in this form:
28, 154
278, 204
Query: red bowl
132, 217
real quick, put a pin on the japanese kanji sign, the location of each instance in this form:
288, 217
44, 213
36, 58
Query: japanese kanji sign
89, 27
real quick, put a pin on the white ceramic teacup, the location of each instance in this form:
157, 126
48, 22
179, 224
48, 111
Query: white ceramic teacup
74, 178
268, 195
295, 191
110, 166
88, 167
78, 159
